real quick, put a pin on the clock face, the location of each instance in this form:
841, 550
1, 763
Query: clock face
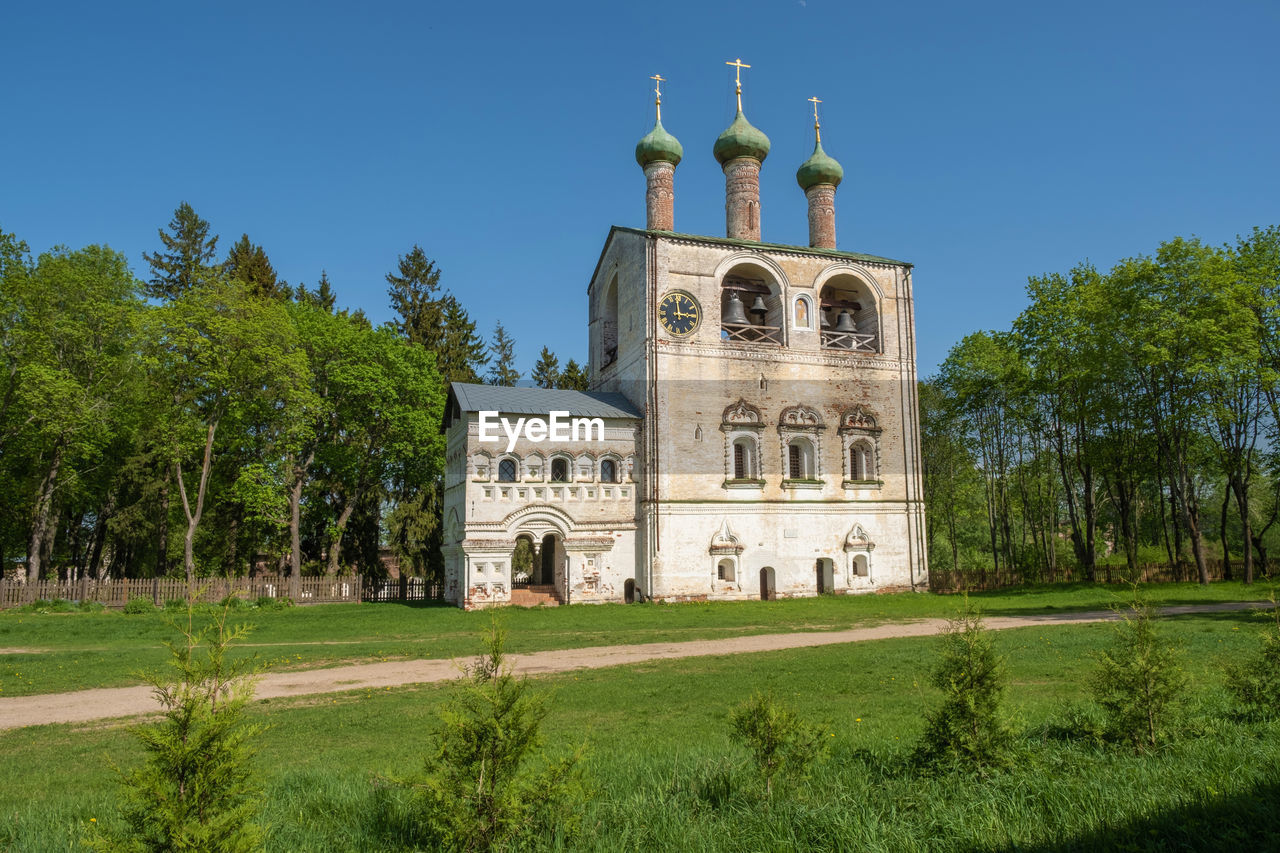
679, 313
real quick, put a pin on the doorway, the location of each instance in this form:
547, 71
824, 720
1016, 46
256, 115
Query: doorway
768, 592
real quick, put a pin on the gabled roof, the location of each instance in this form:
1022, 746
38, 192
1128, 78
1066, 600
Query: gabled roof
470, 397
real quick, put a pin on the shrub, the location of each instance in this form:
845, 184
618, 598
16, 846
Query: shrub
92, 606
267, 602
1255, 683
969, 727
61, 605
139, 605
779, 740
487, 784
233, 602
1139, 685
196, 790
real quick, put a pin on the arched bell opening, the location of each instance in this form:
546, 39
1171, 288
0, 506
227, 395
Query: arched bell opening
847, 315
751, 307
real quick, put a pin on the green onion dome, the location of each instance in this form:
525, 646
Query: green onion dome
657, 145
819, 169
740, 139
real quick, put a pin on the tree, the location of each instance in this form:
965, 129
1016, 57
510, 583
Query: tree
1139, 684
412, 289
546, 373
249, 263
186, 261
79, 312
969, 726
502, 358
460, 352
574, 377
779, 740
383, 437
437, 322
487, 784
218, 352
1255, 682
197, 789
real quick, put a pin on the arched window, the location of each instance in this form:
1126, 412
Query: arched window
724, 570
559, 470
507, 471
799, 459
744, 459
609, 325
861, 462
608, 471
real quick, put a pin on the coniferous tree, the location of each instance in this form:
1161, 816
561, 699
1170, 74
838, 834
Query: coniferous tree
969, 727
546, 373
437, 322
573, 377
413, 290
322, 297
502, 358
187, 258
488, 783
198, 789
460, 353
249, 263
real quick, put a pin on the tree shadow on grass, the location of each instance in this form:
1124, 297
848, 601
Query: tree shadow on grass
1248, 821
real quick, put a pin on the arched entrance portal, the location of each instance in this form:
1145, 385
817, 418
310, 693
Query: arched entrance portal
524, 560
551, 562
768, 591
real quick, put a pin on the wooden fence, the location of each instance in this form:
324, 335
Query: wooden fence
973, 579
115, 593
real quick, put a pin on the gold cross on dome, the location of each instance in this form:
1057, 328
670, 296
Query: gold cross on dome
657, 90
817, 128
737, 77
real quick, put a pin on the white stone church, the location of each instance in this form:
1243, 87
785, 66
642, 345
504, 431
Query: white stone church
752, 429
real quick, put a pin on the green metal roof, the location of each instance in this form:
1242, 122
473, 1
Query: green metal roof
751, 244
471, 397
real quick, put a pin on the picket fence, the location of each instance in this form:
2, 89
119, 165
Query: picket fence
116, 592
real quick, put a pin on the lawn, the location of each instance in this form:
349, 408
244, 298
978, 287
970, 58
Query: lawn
73, 651
666, 776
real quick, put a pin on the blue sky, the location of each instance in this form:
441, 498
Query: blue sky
984, 142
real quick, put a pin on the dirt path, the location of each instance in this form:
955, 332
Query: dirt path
85, 705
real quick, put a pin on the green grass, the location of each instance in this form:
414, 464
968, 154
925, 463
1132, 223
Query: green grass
666, 775
74, 651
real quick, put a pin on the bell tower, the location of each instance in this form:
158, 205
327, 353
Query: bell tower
776, 386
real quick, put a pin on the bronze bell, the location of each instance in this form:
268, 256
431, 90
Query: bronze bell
826, 324
759, 308
844, 323
733, 312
